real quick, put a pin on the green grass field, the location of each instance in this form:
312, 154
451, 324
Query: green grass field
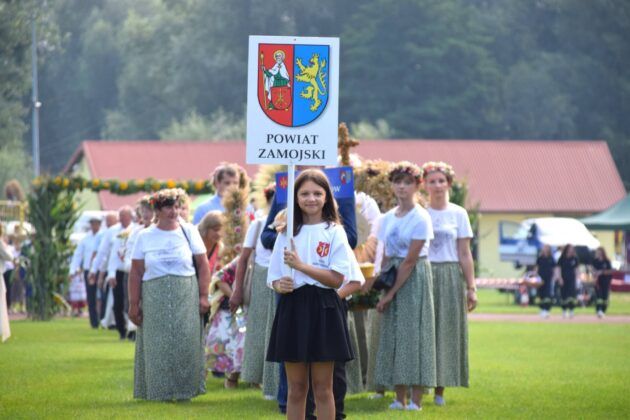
493, 302
62, 369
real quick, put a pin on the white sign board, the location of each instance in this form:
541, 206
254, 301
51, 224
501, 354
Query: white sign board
292, 100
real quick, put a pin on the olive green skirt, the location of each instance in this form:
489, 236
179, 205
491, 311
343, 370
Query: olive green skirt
169, 363
354, 377
406, 351
260, 314
451, 325
373, 331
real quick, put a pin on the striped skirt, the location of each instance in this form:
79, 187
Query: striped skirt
169, 361
406, 351
451, 325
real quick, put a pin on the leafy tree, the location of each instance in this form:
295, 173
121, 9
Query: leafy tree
219, 126
422, 66
536, 106
550, 69
365, 130
15, 163
78, 81
15, 42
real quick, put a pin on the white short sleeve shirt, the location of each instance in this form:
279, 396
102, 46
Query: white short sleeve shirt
449, 225
398, 232
168, 252
318, 245
262, 254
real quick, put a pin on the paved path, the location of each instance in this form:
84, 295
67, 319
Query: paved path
554, 318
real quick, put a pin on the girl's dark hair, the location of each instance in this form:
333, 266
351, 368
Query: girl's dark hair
329, 212
565, 251
603, 251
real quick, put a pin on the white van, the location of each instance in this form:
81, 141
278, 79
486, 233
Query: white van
520, 243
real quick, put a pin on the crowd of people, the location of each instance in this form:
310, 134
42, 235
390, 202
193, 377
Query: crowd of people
277, 315
565, 273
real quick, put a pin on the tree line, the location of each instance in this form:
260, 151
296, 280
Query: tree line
465, 69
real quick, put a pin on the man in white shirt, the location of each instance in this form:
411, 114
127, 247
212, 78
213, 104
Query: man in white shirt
111, 246
111, 218
119, 262
81, 264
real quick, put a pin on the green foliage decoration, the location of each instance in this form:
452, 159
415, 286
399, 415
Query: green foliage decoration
52, 211
118, 187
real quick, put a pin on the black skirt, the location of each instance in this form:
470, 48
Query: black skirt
310, 326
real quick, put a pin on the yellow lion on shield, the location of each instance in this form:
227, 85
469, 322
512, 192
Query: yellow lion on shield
310, 75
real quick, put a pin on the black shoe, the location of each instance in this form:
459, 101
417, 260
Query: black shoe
131, 336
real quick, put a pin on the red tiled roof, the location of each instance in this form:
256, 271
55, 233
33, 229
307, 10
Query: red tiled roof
577, 177
127, 160
519, 176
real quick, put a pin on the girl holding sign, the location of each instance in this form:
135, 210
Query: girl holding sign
309, 331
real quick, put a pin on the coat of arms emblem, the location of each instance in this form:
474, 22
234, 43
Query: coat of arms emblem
323, 249
293, 82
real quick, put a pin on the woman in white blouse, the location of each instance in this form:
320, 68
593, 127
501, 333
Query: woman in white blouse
167, 301
454, 290
406, 351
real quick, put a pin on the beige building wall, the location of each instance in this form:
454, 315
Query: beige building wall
490, 264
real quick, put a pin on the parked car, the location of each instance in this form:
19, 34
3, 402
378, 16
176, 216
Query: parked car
520, 243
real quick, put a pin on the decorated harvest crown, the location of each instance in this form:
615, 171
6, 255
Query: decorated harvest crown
443, 167
405, 168
166, 197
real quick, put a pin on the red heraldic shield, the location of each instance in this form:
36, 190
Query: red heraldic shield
323, 249
275, 82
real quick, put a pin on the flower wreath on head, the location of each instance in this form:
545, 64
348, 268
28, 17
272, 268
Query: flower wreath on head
407, 168
440, 166
167, 195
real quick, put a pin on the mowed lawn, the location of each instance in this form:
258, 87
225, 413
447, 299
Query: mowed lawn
63, 369
492, 301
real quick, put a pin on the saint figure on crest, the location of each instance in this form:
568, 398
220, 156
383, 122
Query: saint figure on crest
276, 77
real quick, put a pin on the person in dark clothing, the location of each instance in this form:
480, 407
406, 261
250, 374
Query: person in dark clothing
347, 214
602, 271
545, 265
568, 272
